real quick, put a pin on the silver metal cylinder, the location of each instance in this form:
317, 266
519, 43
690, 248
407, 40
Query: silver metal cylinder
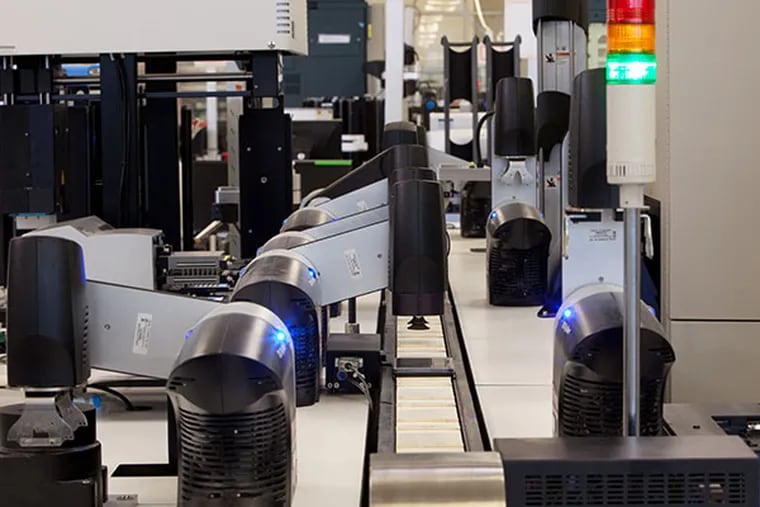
631, 323
540, 69
456, 479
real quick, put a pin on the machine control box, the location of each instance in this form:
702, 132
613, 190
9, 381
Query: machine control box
353, 362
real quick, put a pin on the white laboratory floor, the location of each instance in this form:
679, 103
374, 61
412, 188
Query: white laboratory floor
509, 349
330, 440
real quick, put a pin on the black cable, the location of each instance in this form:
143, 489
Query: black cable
481, 122
128, 405
125, 125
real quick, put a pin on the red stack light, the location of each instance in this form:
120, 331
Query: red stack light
638, 12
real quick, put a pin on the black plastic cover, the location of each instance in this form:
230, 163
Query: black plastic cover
552, 120
587, 161
474, 208
299, 314
560, 10
514, 118
27, 159
378, 168
47, 313
460, 84
421, 135
418, 248
411, 173
400, 132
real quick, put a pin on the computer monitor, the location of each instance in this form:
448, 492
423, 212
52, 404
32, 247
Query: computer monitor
317, 140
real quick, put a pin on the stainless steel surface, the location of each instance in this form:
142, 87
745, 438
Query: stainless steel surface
473, 479
593, 250
227, 195
631, 323
306, 218
696, 420
540, 41
207, 231
648, 236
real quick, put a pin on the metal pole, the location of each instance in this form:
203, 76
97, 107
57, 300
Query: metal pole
540, 67
631, 323
394, 61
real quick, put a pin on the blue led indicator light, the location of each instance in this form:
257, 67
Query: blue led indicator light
568, 313
312, 273
280, 336
493, 214
188, 334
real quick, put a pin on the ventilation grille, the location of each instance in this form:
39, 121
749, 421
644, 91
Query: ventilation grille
517, 276
474, 213
86, 339
588, 408
241, 456
635, 489
630, 170
304, 330
284, 19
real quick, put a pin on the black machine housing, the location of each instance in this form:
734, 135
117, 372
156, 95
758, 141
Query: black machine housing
587, 158
418, 243
588, 366
47, 314
603, 471
518, 237
232, 390
68, 476
517, 256
288, 298
474, 207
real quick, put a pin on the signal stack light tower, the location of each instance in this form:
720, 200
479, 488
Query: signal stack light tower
631, 124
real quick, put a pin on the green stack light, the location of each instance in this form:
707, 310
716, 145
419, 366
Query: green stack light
631, 40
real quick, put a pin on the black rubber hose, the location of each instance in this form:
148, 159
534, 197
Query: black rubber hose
480, 162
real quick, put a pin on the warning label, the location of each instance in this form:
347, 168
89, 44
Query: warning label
602, 235
141, 342
352, 261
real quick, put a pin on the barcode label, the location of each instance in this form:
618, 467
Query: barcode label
352, 261
141, 342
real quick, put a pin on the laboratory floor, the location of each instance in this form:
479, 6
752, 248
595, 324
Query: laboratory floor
509, 349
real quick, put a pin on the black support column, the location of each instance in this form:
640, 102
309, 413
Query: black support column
265, 172
162, 203
120, 140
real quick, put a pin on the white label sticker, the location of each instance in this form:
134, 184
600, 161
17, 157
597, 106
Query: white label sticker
281, 351
334, 38
597, 235
141, 343
362, 205
352, 261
